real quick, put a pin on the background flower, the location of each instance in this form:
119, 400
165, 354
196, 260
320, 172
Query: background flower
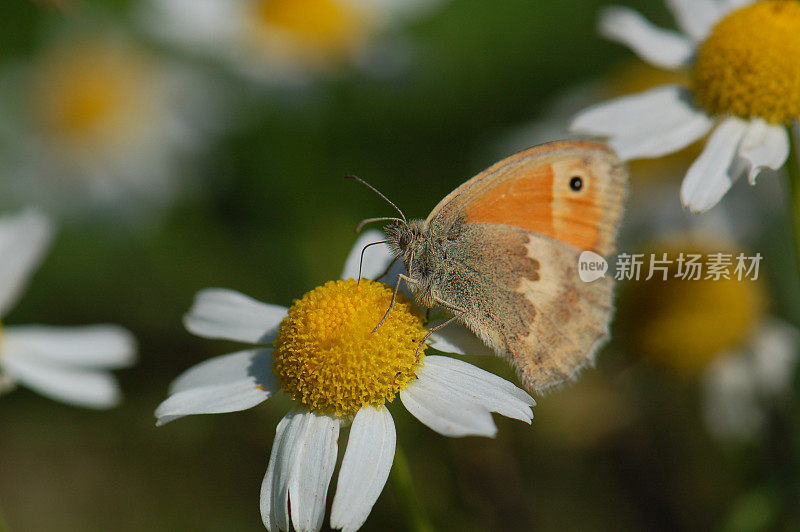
97, 123
285, 41
742, 387
716, 330
738, 55
68, 364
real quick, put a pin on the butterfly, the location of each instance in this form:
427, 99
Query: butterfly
501, 253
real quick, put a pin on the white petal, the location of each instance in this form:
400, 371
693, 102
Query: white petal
660, 47
455, 338
95, 346
300, 467
455, 398
695, 17
193, 23
230, 315
210, 400
243, 380
75, 386
24, 238
775, 355
376, 258
738, 385
649, 124
482, 387
446, 415
312, 471
730, 398
365, 467
275, 487
227, 369
764, 146
713, 173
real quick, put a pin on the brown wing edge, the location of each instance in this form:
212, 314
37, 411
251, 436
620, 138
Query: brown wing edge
542, 387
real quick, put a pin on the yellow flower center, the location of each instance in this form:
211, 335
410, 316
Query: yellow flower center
684, 324
92, 93
327, 357
749, 66
329, 27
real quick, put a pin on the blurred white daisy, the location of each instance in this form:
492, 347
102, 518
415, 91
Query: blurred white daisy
716, 330
744, 61
284, 41
68, 364
323, 354
95, 122
743, 385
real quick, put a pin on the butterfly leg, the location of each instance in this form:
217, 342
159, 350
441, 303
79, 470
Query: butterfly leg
452, 308
457, 311
400, 278
388, 269
433, 330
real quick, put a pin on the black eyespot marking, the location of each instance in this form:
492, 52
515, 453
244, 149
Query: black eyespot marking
576, 183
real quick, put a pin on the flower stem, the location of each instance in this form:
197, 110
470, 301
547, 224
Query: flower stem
3, 525
793, 173
403, 488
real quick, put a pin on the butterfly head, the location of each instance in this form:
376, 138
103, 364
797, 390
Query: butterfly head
404, 237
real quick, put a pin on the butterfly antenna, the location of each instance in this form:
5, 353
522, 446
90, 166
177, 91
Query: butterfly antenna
366, 221
376, 191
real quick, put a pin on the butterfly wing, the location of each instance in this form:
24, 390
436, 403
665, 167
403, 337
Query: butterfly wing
532, 190
511, 238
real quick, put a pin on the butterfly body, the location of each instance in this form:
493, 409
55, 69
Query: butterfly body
501, 253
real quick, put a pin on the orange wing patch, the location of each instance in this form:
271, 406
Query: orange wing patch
576, 214
540, 200
525, 202
532, 190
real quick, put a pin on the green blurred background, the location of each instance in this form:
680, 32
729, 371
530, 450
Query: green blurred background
271, 216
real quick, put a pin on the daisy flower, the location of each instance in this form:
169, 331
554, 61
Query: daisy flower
282, 41
322, 353
68, 364
95, 122
744, 63
717, 331
742, 385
